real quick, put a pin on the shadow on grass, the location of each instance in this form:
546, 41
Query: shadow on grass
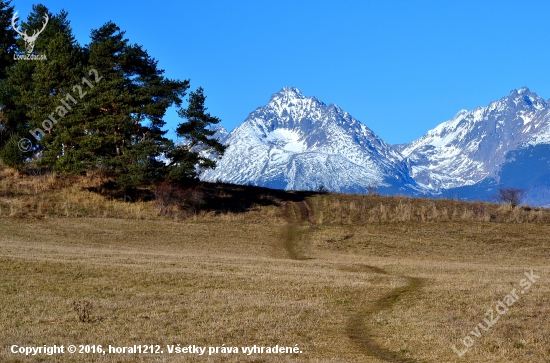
223, 198
218, 197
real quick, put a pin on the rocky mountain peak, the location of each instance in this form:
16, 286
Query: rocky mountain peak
288, 93
298, 142
472, 146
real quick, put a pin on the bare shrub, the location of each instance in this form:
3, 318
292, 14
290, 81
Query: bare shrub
83, 309
169, 195
192, 199
511, 196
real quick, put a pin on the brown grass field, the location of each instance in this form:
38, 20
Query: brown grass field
346, 278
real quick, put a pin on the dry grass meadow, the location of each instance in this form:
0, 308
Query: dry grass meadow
345, 278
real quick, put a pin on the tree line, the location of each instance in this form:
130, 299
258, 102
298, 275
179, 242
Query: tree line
99, 105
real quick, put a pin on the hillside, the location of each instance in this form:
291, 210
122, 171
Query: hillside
42, 194
344, 278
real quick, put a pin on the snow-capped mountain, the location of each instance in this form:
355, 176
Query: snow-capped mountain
300, 143
473, 145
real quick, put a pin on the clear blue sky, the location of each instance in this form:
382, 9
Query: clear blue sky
400, 67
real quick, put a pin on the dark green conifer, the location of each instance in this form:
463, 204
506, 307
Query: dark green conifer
199, 148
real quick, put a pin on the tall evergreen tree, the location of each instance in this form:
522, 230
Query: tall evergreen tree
125, 112
23, 92
8, 36
7, 49
199, 148
54, 96
99, 105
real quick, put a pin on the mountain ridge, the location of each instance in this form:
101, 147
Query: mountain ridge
472, 145
299, 142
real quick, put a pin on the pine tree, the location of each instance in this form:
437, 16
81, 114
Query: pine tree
124, 118
8, 36
199, 149
54, 96
102, 105
21, 95
7, 48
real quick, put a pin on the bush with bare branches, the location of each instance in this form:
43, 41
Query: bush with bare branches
170, 195
511, 196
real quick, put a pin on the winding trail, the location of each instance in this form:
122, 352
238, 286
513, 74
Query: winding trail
296, 213
358, 328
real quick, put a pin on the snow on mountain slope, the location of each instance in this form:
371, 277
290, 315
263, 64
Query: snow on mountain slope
472, 145
300, 143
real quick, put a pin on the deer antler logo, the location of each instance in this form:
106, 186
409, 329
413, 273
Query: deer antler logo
29, 40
